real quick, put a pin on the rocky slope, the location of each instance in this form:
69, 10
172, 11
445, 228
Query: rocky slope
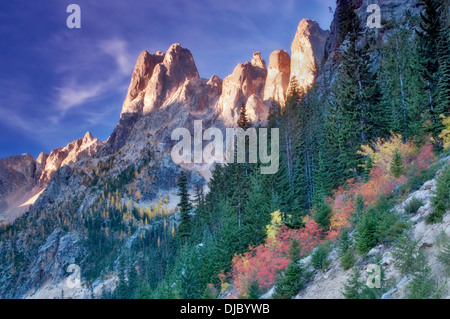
22, 179
329, 284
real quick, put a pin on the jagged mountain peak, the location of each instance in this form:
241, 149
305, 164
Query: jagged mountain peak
258, 61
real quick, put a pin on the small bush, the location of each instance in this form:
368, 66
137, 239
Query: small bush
319, 258
413, 206
348, 260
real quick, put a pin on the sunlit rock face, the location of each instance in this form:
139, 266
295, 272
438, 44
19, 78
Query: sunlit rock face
307, 52
143, 71
22, 179
47, 165
245, 86
278, 76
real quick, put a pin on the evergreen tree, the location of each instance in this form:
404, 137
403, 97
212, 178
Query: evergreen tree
257, 213
429, 34
238, 173
243, 121
354, 286
443, 85
184, 206
199, 197
423, 285
322, 214
189, 285
405, 255
397, 166
355, 114
394, 62
291, 282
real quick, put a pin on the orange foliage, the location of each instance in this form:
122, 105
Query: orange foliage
425, 157
264, 262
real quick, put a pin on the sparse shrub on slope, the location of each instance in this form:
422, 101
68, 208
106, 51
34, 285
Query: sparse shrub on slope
413, 206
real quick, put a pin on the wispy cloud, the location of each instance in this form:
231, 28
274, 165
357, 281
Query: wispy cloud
71, 96
117, 49
81, 88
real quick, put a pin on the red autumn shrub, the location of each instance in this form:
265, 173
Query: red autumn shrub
264, 262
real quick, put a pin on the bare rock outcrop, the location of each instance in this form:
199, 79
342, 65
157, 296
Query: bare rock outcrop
244, 86
142, 73
307, 52
16, 171
278, 77
81, 148
22, 179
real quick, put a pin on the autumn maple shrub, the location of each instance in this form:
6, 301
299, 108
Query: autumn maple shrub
391, 163
264, 264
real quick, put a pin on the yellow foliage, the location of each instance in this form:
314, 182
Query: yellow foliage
382, 151
445, 134
274, 225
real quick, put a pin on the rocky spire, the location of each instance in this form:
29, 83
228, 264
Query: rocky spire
244, 86
142, 73
277, 77
307, 52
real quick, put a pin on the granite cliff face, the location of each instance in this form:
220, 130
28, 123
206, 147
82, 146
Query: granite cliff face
308, 50
162, 80
244, 86
278, 77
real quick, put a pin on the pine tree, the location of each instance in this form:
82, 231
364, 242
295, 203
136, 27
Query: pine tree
405, 255
423, 285
291, 282
397, 166
322, 182
243, 121
357, 117
443, 85
322, 214
189, 285
429, 35
393, 80
257, 213
354, 286
184, 206
199, 197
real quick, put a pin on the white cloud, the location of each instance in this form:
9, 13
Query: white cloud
117, 48
70, 96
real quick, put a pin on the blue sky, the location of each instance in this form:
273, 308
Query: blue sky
57, 83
